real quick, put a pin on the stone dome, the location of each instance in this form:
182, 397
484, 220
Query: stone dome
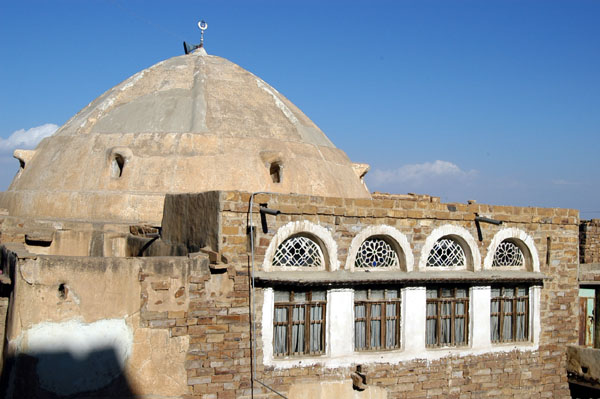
191, 123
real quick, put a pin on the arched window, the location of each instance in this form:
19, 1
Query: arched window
450, 247
512, 249
379, 248
508, 254
376, 252
446, 252
299, 251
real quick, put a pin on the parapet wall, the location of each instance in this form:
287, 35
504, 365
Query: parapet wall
589, 241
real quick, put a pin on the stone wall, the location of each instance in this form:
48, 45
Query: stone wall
111, 326
589, 241
206, 309
215, 369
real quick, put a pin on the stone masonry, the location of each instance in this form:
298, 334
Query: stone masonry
589, 241
218, 362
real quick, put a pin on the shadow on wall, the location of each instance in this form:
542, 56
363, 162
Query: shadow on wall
61, 375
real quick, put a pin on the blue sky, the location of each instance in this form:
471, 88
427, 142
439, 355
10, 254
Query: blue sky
496, 101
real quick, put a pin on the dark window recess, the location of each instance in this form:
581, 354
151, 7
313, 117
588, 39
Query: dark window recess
275, 172
63, 291
117, 165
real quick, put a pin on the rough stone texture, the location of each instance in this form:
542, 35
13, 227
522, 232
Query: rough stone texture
3, 313
144, 292
589, 272
536, 374
202, 230
192, 123
589, 241
583, 364
178, 303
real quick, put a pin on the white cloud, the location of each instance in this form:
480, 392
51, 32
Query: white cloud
563, 182
421, 174
26, 139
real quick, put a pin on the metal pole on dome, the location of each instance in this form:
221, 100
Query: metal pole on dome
203, 26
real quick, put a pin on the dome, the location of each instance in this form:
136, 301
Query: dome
191, 123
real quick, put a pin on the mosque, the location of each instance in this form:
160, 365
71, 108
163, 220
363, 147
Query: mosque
192, 234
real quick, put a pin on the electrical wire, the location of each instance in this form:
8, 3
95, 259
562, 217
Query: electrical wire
250, 226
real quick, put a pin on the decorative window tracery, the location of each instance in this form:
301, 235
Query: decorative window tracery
298, 251
508, 254
376, 252
446, 252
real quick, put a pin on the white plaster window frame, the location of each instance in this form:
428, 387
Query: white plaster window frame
523, 241
462, 237
339, 334
405, 259
320, 235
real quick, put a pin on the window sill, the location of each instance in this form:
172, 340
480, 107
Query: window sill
344, 278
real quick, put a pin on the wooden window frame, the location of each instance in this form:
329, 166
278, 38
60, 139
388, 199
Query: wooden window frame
368, 303
438, 316
514, 313
308, 322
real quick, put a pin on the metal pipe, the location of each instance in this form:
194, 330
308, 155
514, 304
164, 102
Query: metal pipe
487, 220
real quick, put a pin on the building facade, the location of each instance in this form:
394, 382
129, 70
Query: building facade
131, 282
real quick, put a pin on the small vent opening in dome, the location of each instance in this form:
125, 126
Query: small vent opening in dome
116, 166
275, 172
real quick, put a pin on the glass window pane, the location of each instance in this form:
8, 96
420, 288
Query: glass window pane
299, 297
392, 294
319, 295
432, 293
375, 326
431, 331
360, 295
376, 294
282, 296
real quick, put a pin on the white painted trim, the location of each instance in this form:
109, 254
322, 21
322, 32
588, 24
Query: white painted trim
471, 252
535, 322
479, 317
380, 230
267, 324
517, 234
303, 226
413, 320
340, 338
342, 354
